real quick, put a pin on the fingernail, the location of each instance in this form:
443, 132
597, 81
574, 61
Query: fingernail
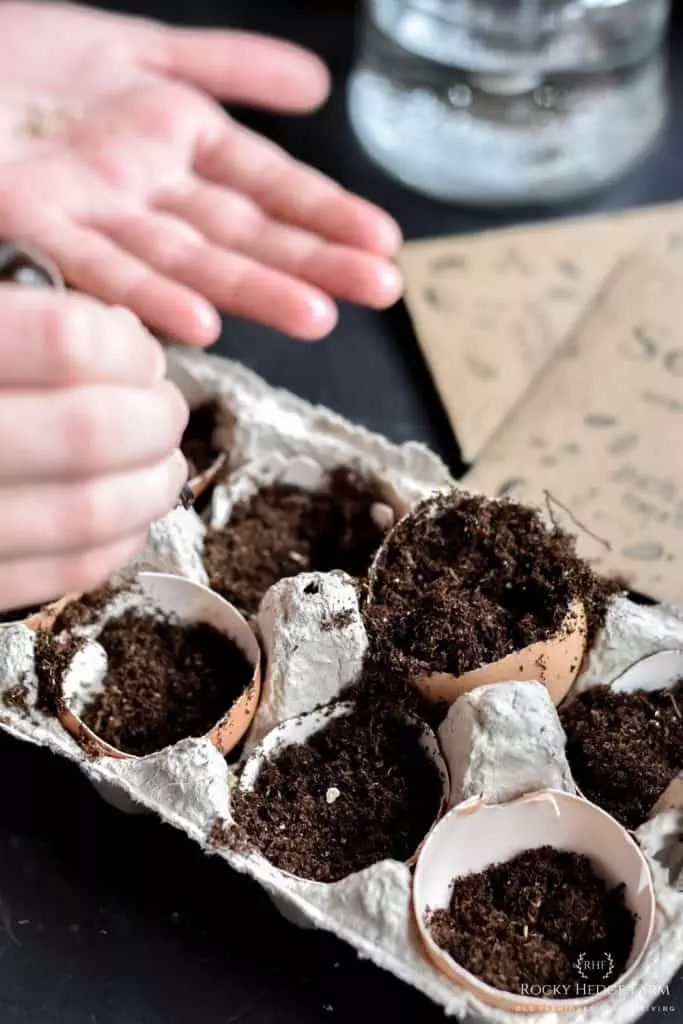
391, 236
207, 322
320, 319
390, 284
322, 311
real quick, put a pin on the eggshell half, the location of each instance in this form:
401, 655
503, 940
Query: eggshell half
27, 621
299, 471
671, 799
474, 835
661, 671
190, 602
298, 730
202, 481
555, 662
43, 617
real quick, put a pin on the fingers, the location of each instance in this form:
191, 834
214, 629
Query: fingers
289, 191
232, 282
234, 222
94, 264
53, 518
87, 431
48, 339
33, 581
241, 67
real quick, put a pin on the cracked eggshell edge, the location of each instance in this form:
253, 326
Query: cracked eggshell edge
556, 662
301, 471
193, 603
661, 670
475, 835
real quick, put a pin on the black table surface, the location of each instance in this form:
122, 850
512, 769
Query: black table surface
106, 919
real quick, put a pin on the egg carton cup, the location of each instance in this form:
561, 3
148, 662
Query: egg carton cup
298, 730
279, 438
312, 661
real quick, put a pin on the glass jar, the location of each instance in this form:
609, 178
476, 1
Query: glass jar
509, 101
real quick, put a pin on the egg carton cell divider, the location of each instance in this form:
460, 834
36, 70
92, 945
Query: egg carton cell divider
189, 784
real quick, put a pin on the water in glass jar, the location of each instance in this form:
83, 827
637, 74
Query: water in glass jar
509, 101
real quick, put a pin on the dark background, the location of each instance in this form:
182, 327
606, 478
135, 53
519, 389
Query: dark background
106, 919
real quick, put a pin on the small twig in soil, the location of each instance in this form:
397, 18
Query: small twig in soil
584, 529
673, 701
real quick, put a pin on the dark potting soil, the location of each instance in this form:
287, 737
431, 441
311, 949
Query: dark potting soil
475, 582
16, 697
220, 834
543, 918
52, 658
87, 608
165, 681
625, 748
285, 530
339, 620
209, 432
360, 790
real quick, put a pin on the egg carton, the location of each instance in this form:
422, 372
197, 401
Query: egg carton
494, 753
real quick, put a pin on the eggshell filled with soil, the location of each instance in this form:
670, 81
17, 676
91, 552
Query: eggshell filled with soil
555, 662
280, 516
661, 671
336, 794
187, 604
474, 836
625, 739
467, 591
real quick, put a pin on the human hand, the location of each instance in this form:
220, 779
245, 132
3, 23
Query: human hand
89, 432
116, 163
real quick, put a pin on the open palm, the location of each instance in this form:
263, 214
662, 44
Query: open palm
117, 163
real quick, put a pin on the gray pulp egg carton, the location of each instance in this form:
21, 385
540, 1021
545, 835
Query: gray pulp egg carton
279, 436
